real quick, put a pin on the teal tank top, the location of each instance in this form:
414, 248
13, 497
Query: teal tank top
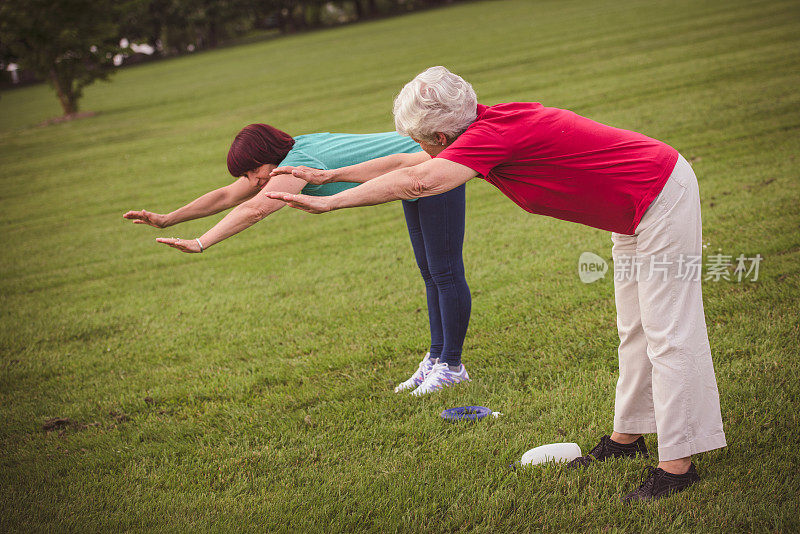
334, 150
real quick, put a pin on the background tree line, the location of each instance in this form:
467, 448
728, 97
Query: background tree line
72, 43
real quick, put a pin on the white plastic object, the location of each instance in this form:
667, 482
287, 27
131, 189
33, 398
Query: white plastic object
560, 452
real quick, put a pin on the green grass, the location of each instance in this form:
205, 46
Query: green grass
249, 388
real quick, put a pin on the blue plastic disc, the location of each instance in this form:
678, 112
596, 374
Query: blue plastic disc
465, 413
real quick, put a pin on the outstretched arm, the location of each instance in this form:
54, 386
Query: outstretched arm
243, 216
360, 173
208, 204
429, 178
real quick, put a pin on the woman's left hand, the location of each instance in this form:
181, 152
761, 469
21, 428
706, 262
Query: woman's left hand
190, 246
311, 204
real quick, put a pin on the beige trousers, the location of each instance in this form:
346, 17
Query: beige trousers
666, 376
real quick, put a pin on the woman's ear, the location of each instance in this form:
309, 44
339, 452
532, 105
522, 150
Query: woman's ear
442, 139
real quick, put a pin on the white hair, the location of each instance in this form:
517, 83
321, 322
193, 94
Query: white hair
435, 101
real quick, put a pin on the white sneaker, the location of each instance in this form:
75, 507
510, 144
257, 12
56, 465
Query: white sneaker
441, 376
418, 377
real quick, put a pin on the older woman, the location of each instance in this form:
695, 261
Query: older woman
553, 162
435, 224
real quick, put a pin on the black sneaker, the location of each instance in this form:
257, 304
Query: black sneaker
657, 483
608, 448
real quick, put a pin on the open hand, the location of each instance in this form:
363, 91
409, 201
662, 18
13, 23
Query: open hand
147, 217
302, 202
190, 246
312, 176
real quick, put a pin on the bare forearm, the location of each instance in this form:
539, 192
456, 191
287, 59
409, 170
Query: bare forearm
240, 218
208, 204
401, 184
252, 211
429, 178
432, 177
363, 172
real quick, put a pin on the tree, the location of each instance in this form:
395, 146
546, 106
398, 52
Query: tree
365, 9
174, 27
70, 43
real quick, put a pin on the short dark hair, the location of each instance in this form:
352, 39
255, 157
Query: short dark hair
257, 145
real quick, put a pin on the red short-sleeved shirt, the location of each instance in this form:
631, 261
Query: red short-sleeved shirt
553, 162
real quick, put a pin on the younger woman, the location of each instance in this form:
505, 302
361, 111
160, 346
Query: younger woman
435, 224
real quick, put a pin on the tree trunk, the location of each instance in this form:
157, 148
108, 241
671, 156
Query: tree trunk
213, 34
285, 20
157, 31
299, 16
65, 94
314, 11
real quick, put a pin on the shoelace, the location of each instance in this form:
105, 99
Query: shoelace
601, 447
650, 476
435, 374
437, 371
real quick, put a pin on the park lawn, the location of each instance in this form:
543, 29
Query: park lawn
249, 389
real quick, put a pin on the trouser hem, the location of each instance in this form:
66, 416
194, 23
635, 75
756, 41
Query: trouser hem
643, 426
688, 448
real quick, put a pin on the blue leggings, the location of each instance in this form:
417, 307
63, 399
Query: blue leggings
436, 227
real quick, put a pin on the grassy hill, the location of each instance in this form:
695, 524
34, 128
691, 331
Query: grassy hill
250, 388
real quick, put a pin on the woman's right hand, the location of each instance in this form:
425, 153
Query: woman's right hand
147, 217
312, 176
